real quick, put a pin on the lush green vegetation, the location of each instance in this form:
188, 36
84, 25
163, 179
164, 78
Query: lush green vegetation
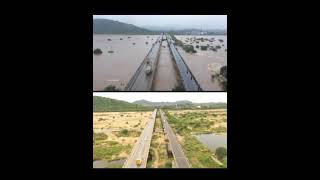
127, 133
195, 122
108, 150
99, 136
220, 129
102, 104
198, 154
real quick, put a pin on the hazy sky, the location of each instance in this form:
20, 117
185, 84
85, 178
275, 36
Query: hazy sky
196, 97
181, 21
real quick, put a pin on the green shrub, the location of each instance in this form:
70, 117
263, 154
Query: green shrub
111, 88
97, 51
168, 164
204, 48
189, 49
99, 136
178, 88
221, 153
124, 132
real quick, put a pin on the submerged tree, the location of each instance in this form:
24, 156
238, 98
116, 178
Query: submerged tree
204, 48
97, 51
111, 88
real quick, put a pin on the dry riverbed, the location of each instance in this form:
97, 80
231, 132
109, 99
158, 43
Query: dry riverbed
115, 133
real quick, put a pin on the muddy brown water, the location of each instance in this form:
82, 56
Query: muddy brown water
198, 62
166, 76
118, 67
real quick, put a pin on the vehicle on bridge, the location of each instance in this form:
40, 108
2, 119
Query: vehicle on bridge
138, 162
148, 68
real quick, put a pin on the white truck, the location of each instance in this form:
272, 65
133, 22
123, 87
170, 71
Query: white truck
148, 67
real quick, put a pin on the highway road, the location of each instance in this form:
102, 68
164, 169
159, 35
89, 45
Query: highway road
140, 81
181, 161
142, 146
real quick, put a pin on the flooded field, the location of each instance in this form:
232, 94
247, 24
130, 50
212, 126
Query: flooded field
199, 62
118, 67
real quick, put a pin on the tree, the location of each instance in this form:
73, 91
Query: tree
221, 152
204, 48
168, 164
124, 132
111, 88
223, 71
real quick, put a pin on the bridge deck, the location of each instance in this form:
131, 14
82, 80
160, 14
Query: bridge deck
178, 154
140, 81
188, 79
142, 146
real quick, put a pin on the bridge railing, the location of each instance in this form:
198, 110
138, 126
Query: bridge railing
189, 81
140, 68
168, 130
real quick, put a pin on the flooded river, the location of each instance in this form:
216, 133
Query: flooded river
198, 62
118, 67
166, 76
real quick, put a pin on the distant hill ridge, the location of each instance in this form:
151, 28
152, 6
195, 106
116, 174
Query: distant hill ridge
106, 26
183, 103
103, 104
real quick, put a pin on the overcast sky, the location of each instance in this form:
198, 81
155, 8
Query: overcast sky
196, 97
180, 21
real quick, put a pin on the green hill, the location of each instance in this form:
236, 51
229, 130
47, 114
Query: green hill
148, 103
106, 26
184, 104
102, 104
